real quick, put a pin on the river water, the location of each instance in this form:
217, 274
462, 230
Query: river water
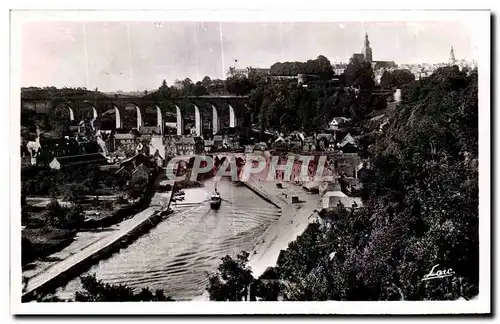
178, 253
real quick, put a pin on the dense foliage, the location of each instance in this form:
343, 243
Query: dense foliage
423, 198
288, 106
396, 78
319, 66
95, 290
231, 282
421, 209
70, 182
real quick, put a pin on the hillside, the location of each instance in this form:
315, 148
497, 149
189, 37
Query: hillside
423, 198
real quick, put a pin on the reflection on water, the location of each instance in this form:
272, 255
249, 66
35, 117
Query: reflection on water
176, 254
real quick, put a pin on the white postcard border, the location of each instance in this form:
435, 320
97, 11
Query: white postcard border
479, 19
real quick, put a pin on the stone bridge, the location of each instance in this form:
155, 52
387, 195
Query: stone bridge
127, 112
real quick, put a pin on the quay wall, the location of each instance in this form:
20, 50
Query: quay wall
67, 269
263, 194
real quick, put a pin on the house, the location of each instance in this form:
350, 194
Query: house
157, 148
209, 144
136, 160
351, 186
77, 160
339, 122
25, 156
348, 144
261, 146
363, 170
218, 143
34, 150
325, 141
125, 142
150, 130
190, 146
332, 201
348, 139
309, 144
339, 68
249, 148
160, 161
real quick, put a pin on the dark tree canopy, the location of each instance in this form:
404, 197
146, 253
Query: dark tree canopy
359, 74
95, 290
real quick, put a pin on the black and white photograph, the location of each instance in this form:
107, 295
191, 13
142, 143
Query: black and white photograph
293, 163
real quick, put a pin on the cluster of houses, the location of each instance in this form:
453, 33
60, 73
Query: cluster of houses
336, 138
136, 154
112, 148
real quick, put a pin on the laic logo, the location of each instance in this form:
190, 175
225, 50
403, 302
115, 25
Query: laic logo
438, 273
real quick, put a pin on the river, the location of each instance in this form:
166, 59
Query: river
178, 253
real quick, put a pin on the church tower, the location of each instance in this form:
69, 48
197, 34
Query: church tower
367, 51
452, 56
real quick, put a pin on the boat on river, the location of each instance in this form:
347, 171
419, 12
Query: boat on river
215, 199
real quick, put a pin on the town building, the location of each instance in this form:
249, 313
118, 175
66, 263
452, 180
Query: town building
124, 142
26, 157
366, 55
339, 122
209, 144
157, 148
348, 144
246, 72
309, 144
339, 68
190, 146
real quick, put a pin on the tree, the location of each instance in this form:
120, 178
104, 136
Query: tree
97, 291
238, 85
137, 188
54, 214
206, 81
232, 279
74, 217
422, 208
359, 74
402, 77
387, 80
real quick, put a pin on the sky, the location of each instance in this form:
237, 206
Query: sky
132, 56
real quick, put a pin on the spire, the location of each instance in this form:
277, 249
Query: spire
452, 55
367, 41
367, 51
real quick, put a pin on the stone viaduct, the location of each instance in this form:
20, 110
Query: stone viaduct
127, 112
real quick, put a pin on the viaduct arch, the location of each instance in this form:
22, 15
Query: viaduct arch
206, 110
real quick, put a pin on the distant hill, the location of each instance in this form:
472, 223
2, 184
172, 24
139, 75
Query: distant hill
130, 93
55, 93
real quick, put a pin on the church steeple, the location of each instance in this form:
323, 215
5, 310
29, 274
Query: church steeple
452, 56
367, 51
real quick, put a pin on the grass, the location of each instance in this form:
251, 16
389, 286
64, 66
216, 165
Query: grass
40, 242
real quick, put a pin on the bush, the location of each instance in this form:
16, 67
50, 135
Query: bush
97, 291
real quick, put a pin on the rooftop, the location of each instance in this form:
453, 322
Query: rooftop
124, 136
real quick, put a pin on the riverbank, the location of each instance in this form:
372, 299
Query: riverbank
295, 218
87, 249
